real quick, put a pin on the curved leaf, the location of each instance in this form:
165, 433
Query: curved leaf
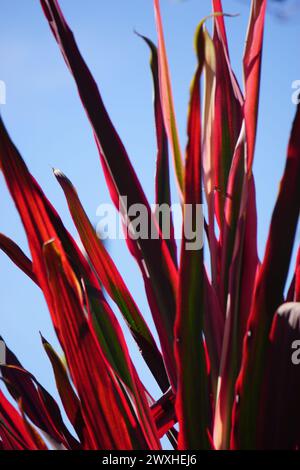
268, 295
113, 282
167, 100
192, 401
160, 277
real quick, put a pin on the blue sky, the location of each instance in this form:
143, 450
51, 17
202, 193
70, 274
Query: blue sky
46, 120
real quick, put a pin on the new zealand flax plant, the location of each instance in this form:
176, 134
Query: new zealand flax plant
223, 362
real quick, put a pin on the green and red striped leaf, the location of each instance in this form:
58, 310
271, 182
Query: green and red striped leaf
112, 421
162, 176
268, 296
192, 401
167, 101
40, 221
66, 392
228, 116
160, 277
113, 282
252, 71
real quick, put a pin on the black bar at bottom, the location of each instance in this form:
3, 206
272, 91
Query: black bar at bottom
128, 459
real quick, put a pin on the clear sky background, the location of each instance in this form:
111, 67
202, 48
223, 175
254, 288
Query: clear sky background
47, 122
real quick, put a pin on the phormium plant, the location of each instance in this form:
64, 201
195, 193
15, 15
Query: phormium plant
224, 360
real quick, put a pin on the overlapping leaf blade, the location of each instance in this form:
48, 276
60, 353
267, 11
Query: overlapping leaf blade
162, 177
268, 295
113, 282
160, 277
37, 403
252, 70
66, 392
228, 116
278, 417
14, 252
42, 223
14, 433
115, 425
192, 402
167, 100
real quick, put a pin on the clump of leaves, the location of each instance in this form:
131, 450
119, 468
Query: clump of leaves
225, 333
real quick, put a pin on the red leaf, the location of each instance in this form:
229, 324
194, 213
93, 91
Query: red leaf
268, 295
68, 396
160, 277
113, 283
107, 413
41, 221
252, 71
13, 431
163, 412
228, 116
278, 420
14, 252
37, 403
162, 177
166, 96
192, 401
297, 279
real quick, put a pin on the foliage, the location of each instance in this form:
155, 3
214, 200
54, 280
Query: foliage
224, 360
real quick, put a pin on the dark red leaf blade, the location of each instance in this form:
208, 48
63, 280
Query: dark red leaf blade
167, 101
160, 277
163, 412
228, 116
14, 252
113, 283
252, 71
66, 392
13, 431
268, 295
41, 221
162, 176
37, 403
220, 23
242, 274
297, 279
278, 420
192, 401
114, 424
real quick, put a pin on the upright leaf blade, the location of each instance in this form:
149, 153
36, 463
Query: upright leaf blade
278, 419
162, 177
167, 100
113, 282
115, 425
68, 396
268, 295
192, 402
252, 70
160, 277
42, 223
